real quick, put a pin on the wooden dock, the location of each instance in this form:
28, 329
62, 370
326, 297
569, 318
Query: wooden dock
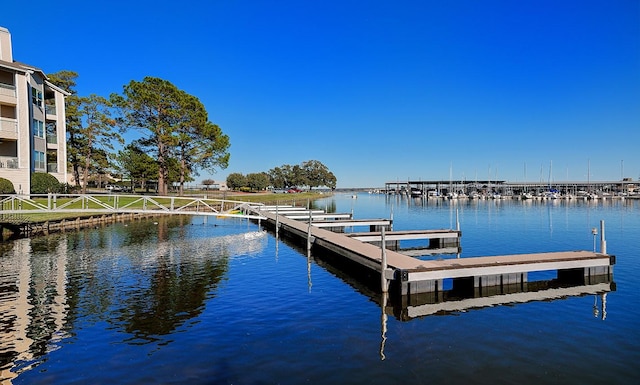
410, 275
436, 238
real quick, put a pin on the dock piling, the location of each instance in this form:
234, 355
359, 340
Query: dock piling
309, 231
603, 242
383, 263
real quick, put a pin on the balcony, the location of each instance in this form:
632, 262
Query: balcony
52, 167
8, 90
8, 162
50, 109
52, 139
8, 128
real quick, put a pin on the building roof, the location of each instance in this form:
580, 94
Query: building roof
12, 66
21, 67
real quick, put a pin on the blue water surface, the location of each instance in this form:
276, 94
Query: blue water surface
217, 301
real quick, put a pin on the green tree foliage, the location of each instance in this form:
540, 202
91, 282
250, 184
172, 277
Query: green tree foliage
280, 177
236, 180
6, 187
152, 106
75, 138
98, 131
176, 127
137, 165
257, 181
100, 166
311, 173
201, 144
208, 182
317, 174
43, 183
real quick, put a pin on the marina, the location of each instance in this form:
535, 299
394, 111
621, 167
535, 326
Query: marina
492, 189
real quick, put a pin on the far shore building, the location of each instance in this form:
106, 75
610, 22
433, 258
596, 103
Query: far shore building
32, 121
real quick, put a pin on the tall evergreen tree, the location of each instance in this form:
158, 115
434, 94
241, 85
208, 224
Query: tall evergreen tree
75, 140
201, 144
98, 131
177, 128
137, 165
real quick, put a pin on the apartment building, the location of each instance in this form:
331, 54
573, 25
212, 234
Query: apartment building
32, 121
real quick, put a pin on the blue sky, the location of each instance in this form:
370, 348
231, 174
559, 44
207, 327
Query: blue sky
376, 90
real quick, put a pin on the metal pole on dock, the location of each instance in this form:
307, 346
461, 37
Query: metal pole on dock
309, 232
603, 242
457, 221
277, 220
383, 263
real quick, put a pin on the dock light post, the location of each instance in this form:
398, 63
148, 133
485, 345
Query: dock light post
594, 232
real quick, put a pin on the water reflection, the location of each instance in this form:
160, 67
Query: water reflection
145, 279
33, 302
455, 301
408, 308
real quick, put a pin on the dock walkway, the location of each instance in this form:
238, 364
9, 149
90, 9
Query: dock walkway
412, 275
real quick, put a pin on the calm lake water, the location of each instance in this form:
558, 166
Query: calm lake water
184, 300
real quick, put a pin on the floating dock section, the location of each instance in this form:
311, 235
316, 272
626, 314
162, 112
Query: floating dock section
410, 275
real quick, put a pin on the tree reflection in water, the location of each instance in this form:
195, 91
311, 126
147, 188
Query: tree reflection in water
144, 277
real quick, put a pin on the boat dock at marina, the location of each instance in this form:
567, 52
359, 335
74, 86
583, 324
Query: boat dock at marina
410, 275
480, 189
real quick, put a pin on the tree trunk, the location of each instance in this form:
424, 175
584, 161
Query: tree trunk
85, 175
162, 169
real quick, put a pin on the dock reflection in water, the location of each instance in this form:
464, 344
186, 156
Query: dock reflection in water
456, 300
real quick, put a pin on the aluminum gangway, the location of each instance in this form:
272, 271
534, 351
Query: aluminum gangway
86, 204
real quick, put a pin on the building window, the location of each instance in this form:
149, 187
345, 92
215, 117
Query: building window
38, 128
36, 97
39, 161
